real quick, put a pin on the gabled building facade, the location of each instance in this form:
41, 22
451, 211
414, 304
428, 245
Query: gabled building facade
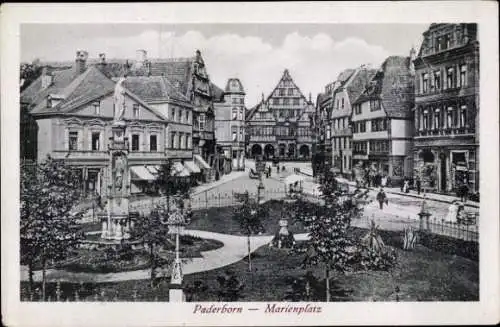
279, 126
230, 125
349, 86
74, 109
382, 123
446, 115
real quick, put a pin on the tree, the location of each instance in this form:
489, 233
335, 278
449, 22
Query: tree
48, 228
169, 185
153, 232
29, 72
249, 214
327, 222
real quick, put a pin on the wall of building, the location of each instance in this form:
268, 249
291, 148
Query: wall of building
45, 139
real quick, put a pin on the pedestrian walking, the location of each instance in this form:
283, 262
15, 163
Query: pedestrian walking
419, 185
403, 183
381, 198
406, 186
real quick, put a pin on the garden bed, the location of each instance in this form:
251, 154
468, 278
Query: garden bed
419, 275
220, 220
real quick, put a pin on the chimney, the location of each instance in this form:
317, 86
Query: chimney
140, 58
102, 61
81, 61
46, 78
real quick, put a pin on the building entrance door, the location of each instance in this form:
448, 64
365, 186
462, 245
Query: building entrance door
443, 175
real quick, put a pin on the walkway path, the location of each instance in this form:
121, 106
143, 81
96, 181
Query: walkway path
234, 249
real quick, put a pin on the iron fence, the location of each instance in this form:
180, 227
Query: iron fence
433, 225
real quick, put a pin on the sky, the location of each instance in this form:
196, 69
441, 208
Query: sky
257, 54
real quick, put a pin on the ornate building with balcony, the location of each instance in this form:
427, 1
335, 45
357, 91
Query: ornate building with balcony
74, 109
446, 114
381, 121
349, 86
279, 127
230, 126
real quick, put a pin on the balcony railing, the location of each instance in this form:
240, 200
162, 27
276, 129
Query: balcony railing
445, 131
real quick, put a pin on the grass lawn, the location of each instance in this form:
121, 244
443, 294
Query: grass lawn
420, 275
220, 220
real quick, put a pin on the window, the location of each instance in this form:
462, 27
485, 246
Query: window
374, 105
281, 92
449, 78
234, 113
234, 133
241, 134
135, 142
172, 140
362, 127
449, 118
437, 80
201, 122
276, 101
338, 103
188, 117
296, 102
242, 101
240, 116
463, 75
290, 91
437, 119
153, 145
182, 140
172, 114
189, 141
235, 101
357, 109
425, 83
97, 108
342, 103
73, 141
180, 115
135, 110
286, 102
328, 131
95, 141
463, 115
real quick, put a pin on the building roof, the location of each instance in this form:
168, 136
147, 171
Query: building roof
359, 82
75, 90
393, 86
153, 88
234, 85
216, 92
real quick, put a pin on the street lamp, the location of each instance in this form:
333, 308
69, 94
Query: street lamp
260, 189
176, 223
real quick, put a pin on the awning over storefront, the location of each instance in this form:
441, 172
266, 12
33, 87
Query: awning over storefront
200, 162
191, 166
141, 173
177, 168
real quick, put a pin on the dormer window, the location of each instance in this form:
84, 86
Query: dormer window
135, 110
97, 107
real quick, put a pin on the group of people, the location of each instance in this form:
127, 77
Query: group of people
377, 180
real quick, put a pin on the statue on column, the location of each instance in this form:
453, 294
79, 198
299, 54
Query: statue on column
119, 100
119, 170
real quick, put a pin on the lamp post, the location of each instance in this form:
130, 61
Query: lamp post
260, 189
176, 223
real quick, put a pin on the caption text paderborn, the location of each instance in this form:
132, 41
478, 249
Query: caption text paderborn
269, 308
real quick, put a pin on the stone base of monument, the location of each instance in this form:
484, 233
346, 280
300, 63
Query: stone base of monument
115, 228
283, 238
176, 293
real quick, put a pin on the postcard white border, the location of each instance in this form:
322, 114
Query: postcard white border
486, 310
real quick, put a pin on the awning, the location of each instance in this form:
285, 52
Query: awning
191, 166
185, 172
153, 169
293, 178
200, 162
177, 168
141, 173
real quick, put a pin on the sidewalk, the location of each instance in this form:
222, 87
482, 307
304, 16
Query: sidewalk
429, 196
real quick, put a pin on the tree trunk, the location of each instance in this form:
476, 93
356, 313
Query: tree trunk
30, 276
44, 267
327, 281
152, 260
249, 253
